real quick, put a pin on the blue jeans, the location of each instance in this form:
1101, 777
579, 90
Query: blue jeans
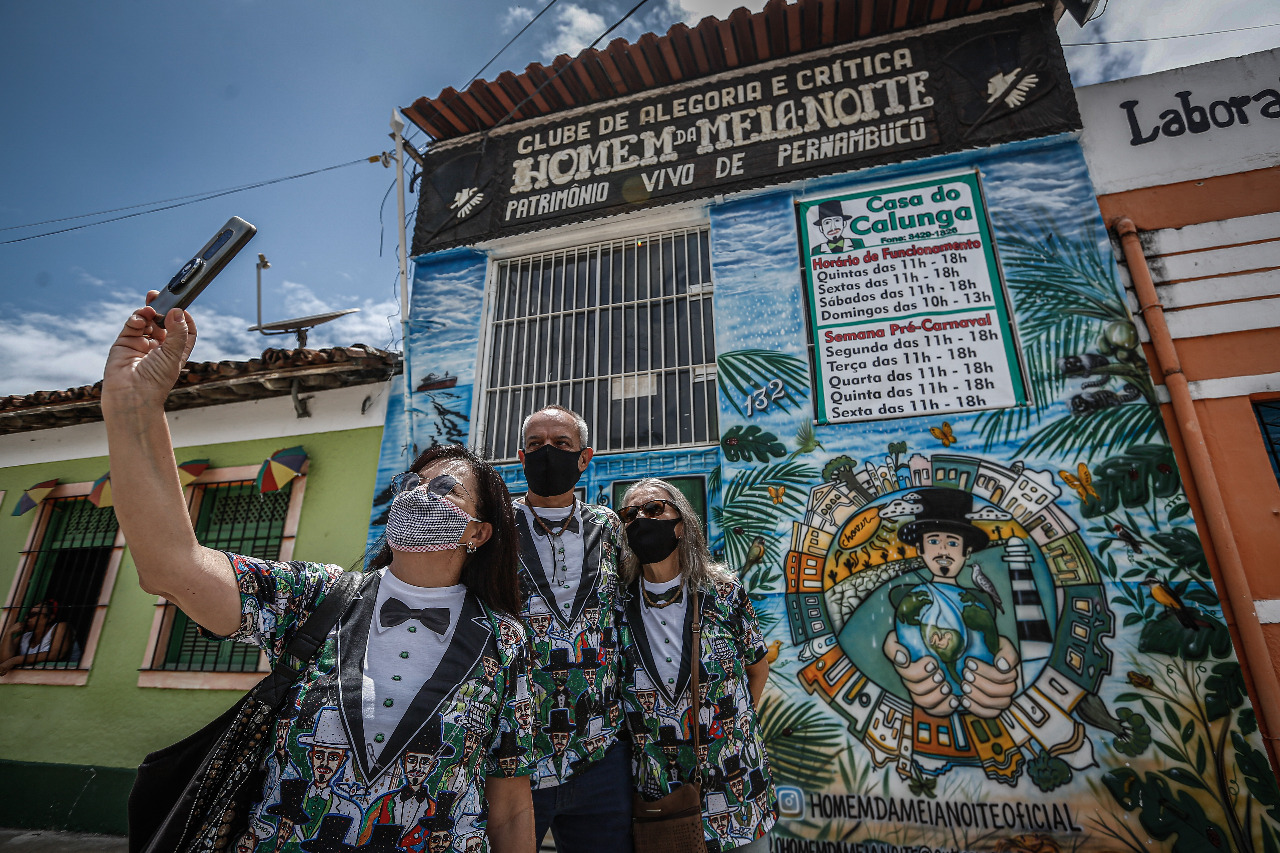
592, 811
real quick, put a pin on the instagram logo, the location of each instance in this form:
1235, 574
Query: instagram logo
790, 801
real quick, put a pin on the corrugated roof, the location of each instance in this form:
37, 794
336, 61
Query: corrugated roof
779, 30
209, 383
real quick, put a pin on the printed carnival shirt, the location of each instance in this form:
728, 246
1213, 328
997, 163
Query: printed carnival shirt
739, 801
575, 673
425, 791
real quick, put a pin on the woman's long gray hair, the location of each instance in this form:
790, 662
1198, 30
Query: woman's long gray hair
696, 565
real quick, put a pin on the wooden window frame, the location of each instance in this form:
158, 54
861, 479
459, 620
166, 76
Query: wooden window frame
162, 621
79, 676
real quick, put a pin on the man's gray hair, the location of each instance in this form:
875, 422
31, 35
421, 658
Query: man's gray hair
555, 407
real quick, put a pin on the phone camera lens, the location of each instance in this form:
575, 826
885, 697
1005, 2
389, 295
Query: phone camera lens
184, 275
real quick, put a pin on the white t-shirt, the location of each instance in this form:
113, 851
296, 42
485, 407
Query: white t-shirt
563, 571
27, 645
388, 676
665, 628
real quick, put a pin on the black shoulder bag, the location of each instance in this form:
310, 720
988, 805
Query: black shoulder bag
196, 794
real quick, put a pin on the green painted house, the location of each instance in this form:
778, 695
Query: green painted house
137, 676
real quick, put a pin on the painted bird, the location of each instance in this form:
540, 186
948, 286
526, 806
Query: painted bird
1126, 536
984, 583
754, 555
1162, 593
771, 654
806, 440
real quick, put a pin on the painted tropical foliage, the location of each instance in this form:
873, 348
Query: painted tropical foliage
1075, 330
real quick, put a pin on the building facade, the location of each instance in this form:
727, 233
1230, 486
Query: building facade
76, 729
1189, 158
818, 266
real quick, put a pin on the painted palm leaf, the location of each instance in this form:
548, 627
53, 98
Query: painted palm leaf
745, 371
802, 743
1065, 294
749, 512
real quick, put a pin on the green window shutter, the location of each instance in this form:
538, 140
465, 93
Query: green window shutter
233, 517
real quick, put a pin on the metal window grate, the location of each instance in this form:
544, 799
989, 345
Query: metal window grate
232, 517
620, 331
68, 566
1269, 422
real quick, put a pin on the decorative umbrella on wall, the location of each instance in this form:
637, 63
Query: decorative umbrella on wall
101, 494
31, 497
191, 469
282, 467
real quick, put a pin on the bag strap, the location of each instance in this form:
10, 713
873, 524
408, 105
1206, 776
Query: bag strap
306, 643
695, 664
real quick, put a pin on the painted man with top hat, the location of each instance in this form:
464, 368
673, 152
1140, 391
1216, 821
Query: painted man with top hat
943, 628
569, 579
411, 801
832, 221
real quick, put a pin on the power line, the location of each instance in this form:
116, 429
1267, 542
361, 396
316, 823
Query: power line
179, 202
567, 66
1166, 38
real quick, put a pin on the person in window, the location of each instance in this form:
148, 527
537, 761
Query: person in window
667, 558
39, 638
432, 644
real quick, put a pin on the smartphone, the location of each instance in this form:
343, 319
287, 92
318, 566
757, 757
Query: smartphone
196, 274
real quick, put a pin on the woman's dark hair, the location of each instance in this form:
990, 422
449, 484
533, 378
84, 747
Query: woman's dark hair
490, 572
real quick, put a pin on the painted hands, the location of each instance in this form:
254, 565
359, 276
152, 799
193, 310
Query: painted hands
987, 689
924, 681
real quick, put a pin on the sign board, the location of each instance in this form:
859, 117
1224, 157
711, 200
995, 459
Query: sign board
1217, 118
998, 79
908, 315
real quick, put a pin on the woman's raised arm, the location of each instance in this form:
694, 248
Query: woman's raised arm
142, 367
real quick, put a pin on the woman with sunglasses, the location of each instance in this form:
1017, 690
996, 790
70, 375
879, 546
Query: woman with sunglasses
404, 724
668, 566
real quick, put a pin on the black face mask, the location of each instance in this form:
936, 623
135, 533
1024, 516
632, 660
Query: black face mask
653, 539
551, 471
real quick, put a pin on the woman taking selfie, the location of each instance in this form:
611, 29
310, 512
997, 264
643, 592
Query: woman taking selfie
401, 729
677, 598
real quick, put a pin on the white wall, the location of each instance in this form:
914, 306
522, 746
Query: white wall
1204, 148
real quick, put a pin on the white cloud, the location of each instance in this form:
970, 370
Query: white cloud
576, 27
89, 278
44, 352
696, 10
516, 17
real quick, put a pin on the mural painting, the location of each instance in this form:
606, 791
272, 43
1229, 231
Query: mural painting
995, 629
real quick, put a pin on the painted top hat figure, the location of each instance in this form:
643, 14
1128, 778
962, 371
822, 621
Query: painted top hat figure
942, 627
832, 221
385, 718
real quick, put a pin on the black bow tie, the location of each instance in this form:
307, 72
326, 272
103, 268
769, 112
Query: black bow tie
408, 793
542, 527
394, 612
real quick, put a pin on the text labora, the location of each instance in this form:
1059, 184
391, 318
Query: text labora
895, 221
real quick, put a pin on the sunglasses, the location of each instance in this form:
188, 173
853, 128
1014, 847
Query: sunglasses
409, 480
650, 509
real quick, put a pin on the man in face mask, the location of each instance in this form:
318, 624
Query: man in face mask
569, 563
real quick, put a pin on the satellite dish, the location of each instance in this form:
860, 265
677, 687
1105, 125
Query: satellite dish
298, 325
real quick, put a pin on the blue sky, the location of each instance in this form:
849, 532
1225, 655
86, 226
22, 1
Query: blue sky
108, 105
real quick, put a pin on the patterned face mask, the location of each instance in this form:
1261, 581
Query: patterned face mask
421, 519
